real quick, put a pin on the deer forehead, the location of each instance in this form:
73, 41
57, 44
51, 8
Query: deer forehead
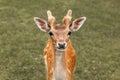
60, 28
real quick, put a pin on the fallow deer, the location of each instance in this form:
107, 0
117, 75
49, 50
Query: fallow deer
60, 57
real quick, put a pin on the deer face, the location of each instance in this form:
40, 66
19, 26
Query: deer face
60, 36
60, 33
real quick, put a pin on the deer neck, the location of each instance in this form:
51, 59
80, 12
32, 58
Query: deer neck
59, 56
60, 71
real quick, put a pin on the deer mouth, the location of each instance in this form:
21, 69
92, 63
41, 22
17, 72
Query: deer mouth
61, 49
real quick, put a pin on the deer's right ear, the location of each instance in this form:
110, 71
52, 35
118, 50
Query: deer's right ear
42, 24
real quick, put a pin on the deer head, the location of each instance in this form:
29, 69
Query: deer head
59, 33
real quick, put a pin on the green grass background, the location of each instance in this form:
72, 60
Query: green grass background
97, 43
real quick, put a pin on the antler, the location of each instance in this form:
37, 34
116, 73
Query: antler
67, 18
51, 19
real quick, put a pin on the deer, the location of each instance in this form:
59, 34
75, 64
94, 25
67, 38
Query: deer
59, 54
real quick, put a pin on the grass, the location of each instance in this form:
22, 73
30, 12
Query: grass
97, 43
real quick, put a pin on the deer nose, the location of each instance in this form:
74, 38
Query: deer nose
61, 45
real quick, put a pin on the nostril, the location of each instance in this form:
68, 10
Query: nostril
61, 45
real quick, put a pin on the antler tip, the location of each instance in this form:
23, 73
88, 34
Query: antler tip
69, 10
69, 13
49, 12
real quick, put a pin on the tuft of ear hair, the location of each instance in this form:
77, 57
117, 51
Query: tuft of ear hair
77, 23
42, 24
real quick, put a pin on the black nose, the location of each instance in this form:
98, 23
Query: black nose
61, 45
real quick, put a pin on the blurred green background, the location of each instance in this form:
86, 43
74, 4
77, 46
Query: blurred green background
97, 43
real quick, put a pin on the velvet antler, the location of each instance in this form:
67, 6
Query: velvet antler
51, 18
67, 18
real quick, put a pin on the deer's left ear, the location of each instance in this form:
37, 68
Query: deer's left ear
77, 23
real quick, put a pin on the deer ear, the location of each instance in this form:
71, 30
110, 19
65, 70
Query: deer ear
77, 23
42, 24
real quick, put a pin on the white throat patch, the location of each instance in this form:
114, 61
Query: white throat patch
60, 72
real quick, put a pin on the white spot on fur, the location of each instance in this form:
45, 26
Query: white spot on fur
45, 56
68, 70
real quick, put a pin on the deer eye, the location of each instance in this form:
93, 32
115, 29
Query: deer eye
69, 33
50, 33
